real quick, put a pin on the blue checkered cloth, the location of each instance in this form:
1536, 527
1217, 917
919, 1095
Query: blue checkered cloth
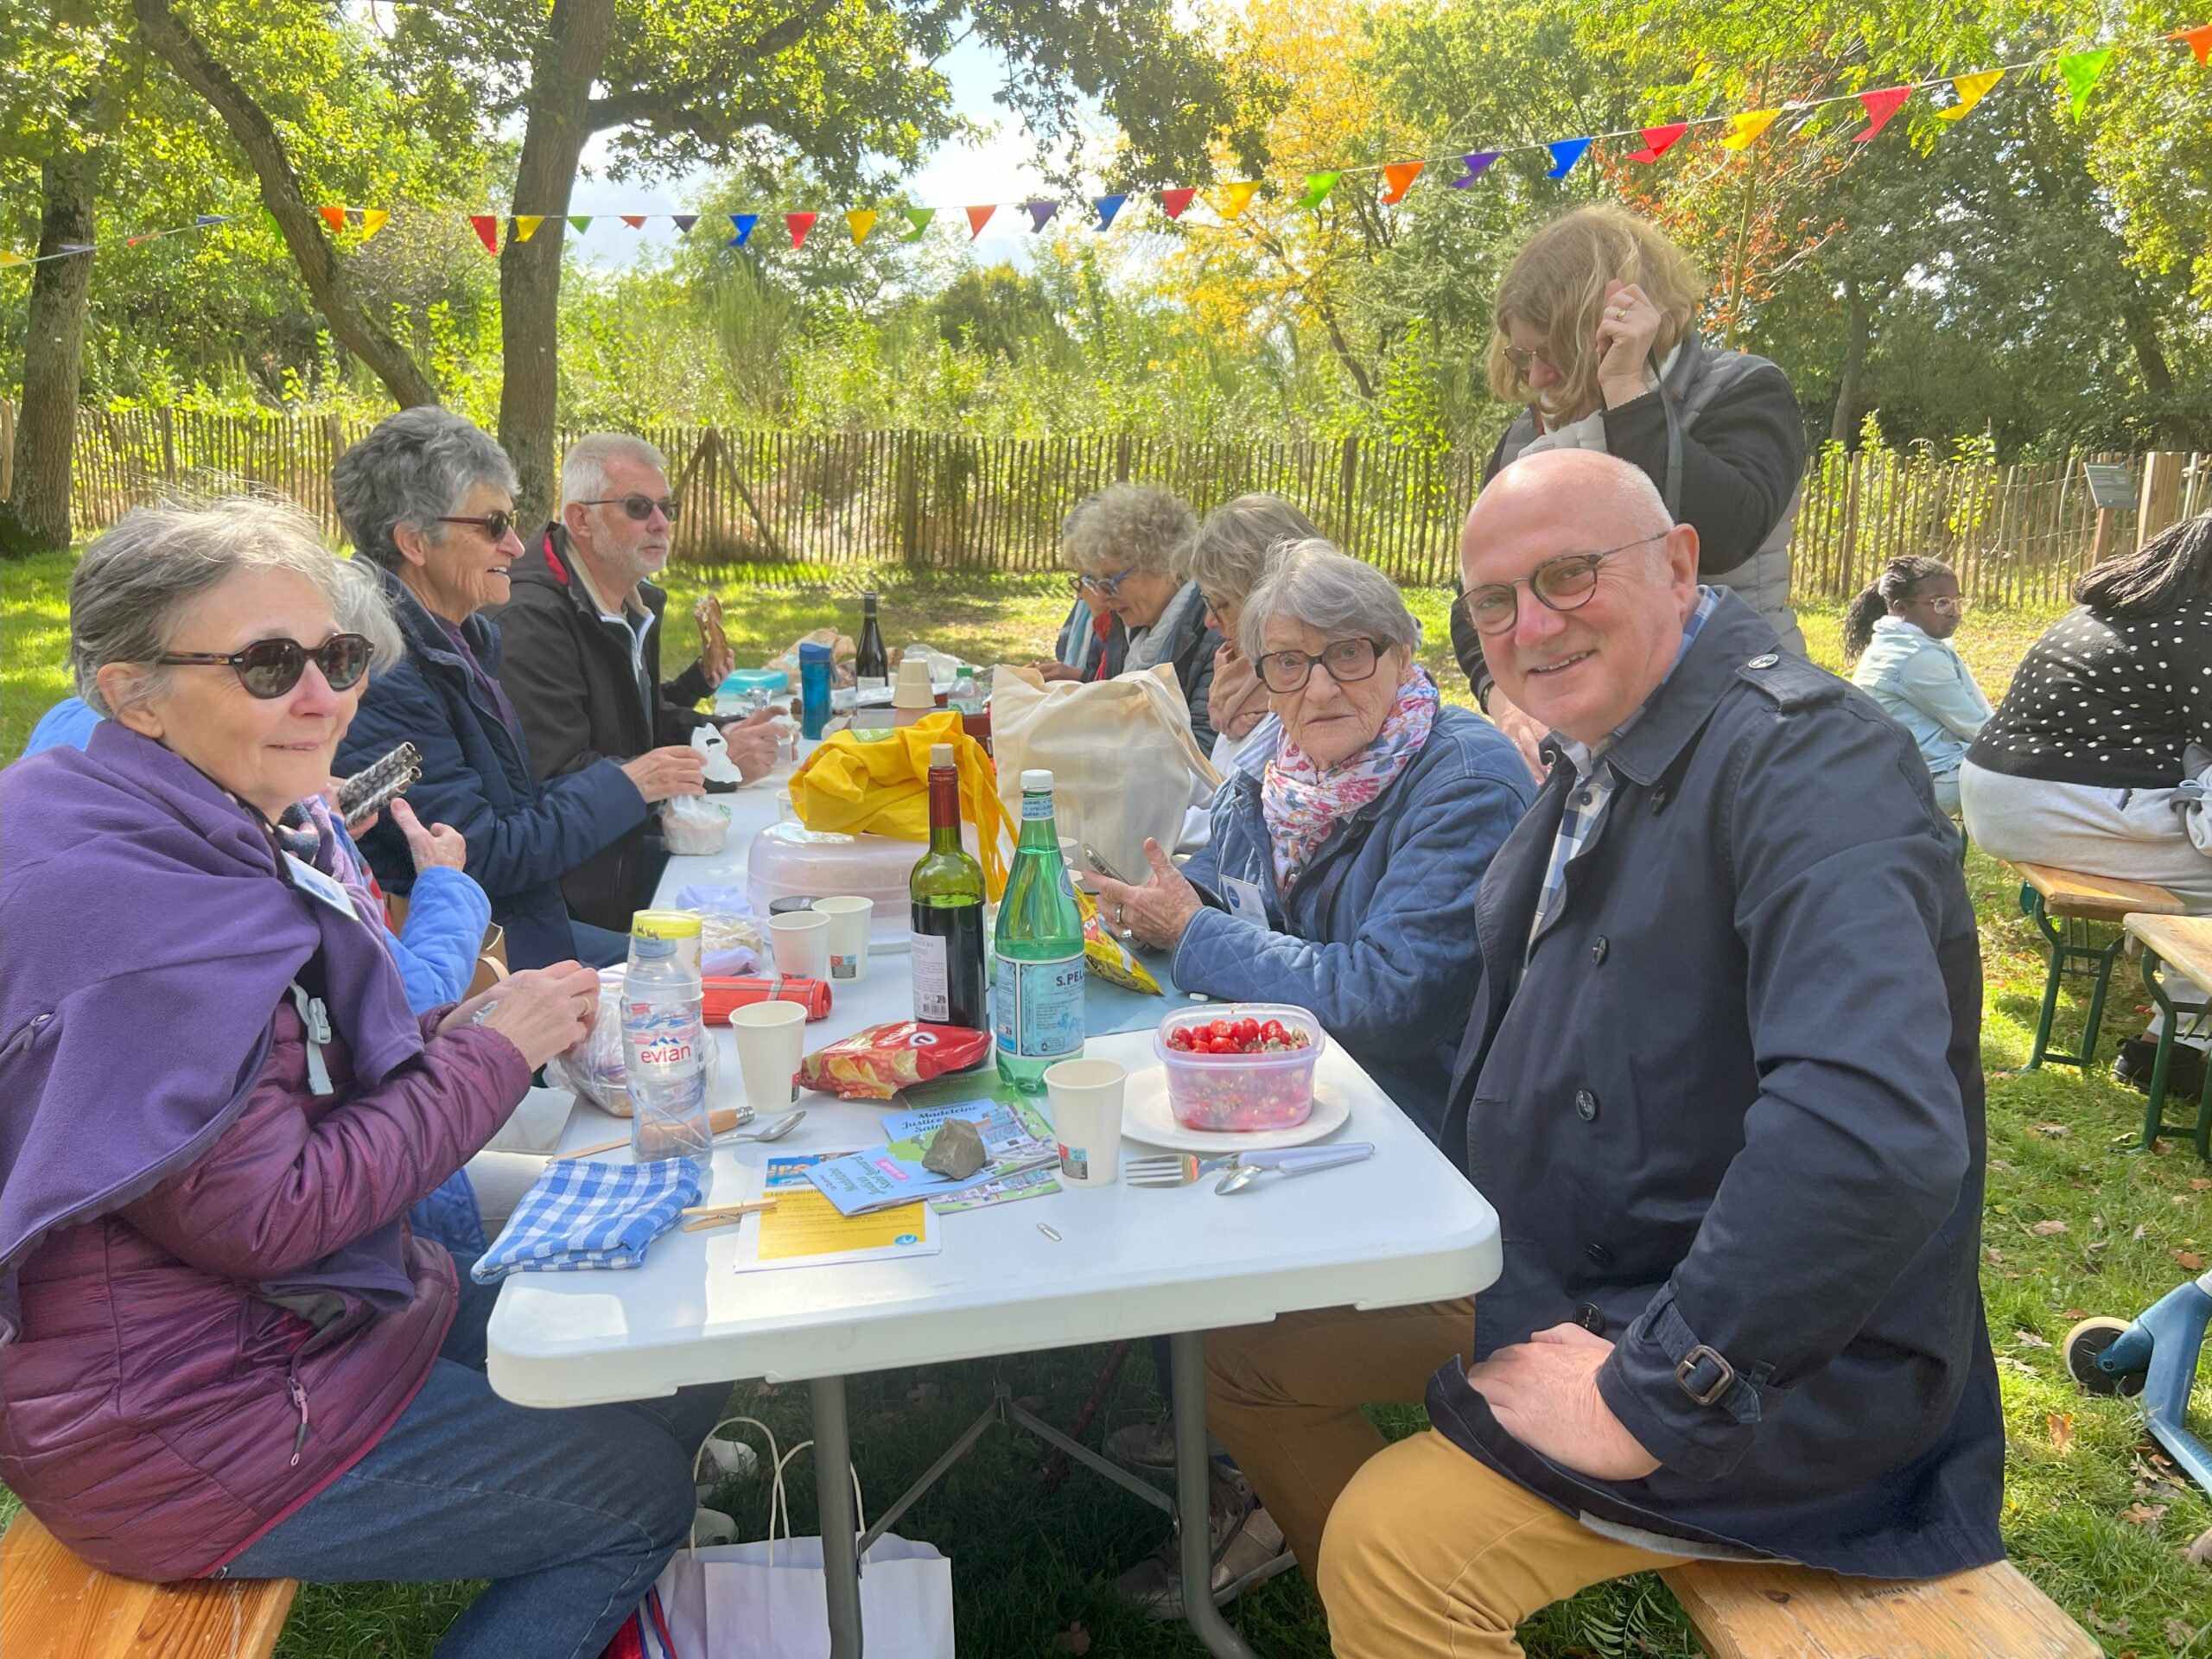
585, 1214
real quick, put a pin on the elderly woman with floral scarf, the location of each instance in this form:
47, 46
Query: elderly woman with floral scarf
1346, 856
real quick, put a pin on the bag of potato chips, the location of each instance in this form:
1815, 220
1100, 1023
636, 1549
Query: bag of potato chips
1106, 955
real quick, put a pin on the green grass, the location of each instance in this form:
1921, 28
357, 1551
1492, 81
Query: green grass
2091, 1513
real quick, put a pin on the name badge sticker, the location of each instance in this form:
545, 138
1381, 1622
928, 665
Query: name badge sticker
1244, 901
309, 880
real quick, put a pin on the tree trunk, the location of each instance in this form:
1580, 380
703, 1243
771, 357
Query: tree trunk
36, 514
172, 40
568, 59
1845, 422
2158, 378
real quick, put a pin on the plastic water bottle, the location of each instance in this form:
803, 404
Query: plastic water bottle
1036, 998
663, 1033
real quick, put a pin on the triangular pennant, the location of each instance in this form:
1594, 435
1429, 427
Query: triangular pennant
635, 221
1657, 141
799, 225
1107, 206
526, 226
684, 221
1317, 186
486, 226
1174, 202
8, 259
919, 218
1236, 196
206, 220
1040, 214
1566, 152
741, 227
333, 217
372, 220
73, 247
861, 221
1971, 89
2198, 40
979, 217
1477, 163
2080, 70
581, 221
1744, 129
1398, 179
1880, 106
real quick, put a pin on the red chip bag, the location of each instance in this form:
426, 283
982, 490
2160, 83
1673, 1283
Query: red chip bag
876, 1063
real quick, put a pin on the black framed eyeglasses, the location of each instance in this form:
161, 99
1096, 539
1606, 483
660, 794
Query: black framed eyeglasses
270, 668
1561, 584
495, 525
1349, 662
639, 506
1108, 586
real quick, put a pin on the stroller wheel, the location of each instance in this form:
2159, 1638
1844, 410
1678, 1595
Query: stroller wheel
2082, 1346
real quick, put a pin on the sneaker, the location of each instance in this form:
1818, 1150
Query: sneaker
1248, 1550
2138, 1056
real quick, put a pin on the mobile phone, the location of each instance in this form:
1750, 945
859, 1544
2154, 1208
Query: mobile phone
377, 786
1090, 854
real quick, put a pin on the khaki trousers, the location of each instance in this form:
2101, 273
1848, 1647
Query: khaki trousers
1425, 1550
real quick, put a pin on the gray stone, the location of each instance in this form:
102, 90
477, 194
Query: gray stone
955, 1150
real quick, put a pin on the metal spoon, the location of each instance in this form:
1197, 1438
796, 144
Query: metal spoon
775, 1131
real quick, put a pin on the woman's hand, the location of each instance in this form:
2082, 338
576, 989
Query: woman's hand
1527, 732
1156, 913
542, 1011
1626, 331
1050, 672
441, 845
1237, 702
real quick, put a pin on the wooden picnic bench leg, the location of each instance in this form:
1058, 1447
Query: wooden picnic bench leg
833, 1486
1193, 1466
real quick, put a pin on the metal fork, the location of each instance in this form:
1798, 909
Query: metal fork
1181, 1169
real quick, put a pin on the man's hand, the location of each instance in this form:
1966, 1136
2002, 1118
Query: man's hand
1051, 672
1544, 1394
1156, 913
440, 844
754, 743
717, 663
1527, 732
678, 769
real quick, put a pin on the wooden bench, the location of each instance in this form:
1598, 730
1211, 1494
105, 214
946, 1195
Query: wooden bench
2077, 901
53, 1606
2184, 943
1762, 1611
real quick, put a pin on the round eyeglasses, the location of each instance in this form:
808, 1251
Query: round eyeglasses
270, 668
1561, 584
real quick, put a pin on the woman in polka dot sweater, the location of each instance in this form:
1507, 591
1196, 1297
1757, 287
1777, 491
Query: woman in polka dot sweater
2083, 764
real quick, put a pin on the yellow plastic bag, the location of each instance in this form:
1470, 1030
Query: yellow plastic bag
877, 783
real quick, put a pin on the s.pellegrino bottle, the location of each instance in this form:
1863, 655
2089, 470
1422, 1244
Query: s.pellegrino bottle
946, 892
663, 1066
1038, 1005
871, 662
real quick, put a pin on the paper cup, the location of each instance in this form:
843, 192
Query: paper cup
849, 918
801, 940
770, 1043
1085, 1097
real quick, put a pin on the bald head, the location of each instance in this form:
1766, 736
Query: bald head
1587, 532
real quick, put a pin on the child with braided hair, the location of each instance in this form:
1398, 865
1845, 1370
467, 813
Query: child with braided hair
1898, 631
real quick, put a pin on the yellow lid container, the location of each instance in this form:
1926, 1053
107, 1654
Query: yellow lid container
664, 924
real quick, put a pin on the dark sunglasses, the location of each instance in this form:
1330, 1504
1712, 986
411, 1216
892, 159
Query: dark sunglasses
1520, 360
639, 507
270, 668
495, 525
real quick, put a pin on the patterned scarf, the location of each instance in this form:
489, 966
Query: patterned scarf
1302, 802
310, 832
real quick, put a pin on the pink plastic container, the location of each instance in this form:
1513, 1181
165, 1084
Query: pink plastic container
1233, 1092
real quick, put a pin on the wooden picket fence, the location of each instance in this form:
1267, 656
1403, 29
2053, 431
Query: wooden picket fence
798, 506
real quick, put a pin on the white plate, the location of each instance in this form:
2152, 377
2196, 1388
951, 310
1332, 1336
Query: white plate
1147, 1116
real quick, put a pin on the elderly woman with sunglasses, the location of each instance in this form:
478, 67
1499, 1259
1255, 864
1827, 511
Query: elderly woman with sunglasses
1343, 862
429, 500
223, 1352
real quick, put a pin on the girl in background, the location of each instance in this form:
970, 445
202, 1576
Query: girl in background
1898, 631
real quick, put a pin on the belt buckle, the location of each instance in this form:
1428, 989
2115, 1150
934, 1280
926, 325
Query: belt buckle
1690, 1361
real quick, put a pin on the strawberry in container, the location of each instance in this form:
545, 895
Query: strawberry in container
1240, 1065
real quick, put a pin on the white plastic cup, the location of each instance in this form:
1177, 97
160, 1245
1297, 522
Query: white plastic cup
850, 916
770, 1043
801, 941
1085, 1097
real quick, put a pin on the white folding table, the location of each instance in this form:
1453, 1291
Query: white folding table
1402, 1227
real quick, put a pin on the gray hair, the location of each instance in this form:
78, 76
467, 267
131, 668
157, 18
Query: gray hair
365, 609
1314, 582
583, 469
1228, 558
131, 583
416, 467
1140, 525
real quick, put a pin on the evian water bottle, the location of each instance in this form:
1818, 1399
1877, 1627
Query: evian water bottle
662, 1035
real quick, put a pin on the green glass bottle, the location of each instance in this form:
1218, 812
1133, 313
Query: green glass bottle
1036, 1003
945, 893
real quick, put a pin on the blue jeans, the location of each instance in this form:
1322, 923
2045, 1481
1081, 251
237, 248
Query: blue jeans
570, 1513
599, 947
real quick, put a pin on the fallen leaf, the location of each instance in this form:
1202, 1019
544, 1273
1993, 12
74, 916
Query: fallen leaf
2000, 1164
2055, 1131
2077, 1314
1074, 1639
2048, 1229
2200, 1553
1996, 1257
2141, 1232
2061, 1424
2199, 1184
2118, 1627
2145, 1516
2028, 1340
2189, 1259
2180, 1633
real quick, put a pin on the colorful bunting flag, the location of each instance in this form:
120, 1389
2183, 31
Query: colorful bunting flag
919, 218
1317, 186
635, 221
1040, 214
486, 226
2198, 40
799, 225
1657, 141
1107, 206
372, 220
1744, 129
1566, 152
1880, 106
861, 221
1236, 196
1971, 89
333, 217
526, 226
1477, 164
8, 259
2080, 70
684, 221
205, 219
1174, 202
581, 221
741, 226
1399, 177
74, 247
979, 217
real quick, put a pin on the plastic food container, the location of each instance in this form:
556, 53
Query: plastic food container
1232, 1092
787, 861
